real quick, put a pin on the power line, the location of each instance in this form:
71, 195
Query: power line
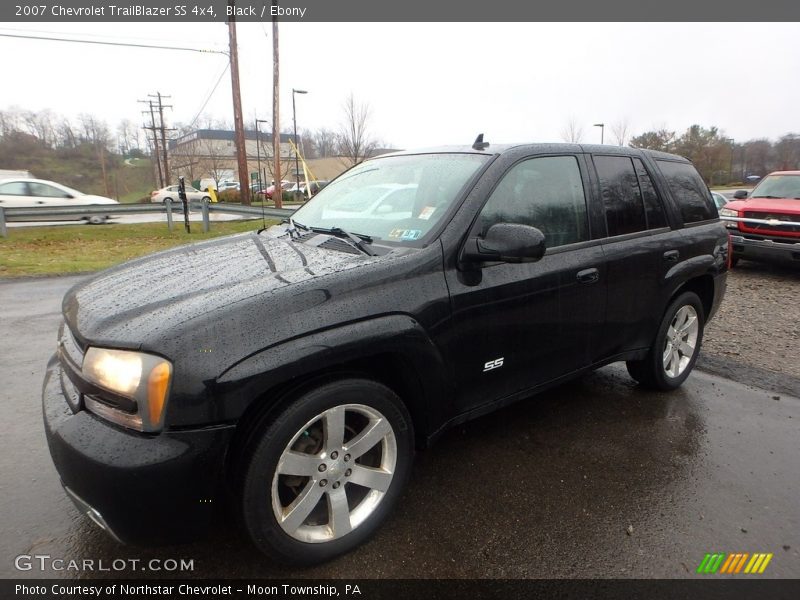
125, 44
210, 94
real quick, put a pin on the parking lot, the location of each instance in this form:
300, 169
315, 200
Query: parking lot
596, 478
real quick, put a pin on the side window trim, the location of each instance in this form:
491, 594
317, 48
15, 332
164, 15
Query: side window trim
659, 198
601, 200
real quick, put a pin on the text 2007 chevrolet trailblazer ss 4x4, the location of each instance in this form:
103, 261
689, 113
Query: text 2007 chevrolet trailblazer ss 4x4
289, 374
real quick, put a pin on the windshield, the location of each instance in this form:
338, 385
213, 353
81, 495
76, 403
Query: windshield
394, 199
778, 186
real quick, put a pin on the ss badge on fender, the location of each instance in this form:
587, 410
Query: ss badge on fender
493, 364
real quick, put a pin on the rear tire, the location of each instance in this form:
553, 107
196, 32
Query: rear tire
734, 262
324, 474
674, 351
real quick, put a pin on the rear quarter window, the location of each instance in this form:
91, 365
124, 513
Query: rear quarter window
689, 190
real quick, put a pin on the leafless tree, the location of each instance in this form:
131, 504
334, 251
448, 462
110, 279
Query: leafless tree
10, 121
127, 136
213, 162
65, 132
40, 125
321, 143
187, 160
356, 142
621, 131
787, 152
572, 132
757, 155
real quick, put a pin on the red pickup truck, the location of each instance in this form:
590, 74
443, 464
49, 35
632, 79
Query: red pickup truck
765, 224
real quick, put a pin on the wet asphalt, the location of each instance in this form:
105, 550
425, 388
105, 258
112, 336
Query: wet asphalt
597, 478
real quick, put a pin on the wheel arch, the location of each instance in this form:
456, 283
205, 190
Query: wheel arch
703, 286
395, 352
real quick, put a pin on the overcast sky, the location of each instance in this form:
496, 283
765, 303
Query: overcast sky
430, 84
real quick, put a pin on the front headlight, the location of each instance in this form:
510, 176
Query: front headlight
143, 379
727, 212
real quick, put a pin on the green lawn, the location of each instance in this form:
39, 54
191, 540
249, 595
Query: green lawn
80, 248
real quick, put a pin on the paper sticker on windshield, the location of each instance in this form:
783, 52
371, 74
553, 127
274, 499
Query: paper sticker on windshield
427, 212
405, 234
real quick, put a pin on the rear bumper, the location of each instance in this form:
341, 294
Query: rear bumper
765, 250
142, 489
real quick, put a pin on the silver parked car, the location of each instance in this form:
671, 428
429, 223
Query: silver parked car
31, 193
719, 199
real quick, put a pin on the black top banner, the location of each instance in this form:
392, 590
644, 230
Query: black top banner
398, 11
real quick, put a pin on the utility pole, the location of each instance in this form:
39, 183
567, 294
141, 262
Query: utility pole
238, 121
152, 130
276, 120
163, 130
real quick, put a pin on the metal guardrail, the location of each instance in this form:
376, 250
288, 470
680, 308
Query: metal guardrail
44, 213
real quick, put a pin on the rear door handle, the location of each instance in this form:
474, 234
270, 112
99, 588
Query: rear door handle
588, 275
671, 256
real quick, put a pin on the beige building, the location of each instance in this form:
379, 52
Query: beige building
211, 154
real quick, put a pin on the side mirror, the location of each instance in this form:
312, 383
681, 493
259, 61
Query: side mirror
740, 194
506, 242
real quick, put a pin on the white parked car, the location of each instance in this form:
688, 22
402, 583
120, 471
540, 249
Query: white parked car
31, 193
171, 192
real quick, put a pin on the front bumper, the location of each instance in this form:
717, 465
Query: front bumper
143, 489
765, 250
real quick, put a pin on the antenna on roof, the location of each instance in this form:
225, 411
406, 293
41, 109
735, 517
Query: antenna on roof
479, 144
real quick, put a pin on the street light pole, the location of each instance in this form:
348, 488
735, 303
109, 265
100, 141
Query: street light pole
602, 127
296, 160
258, 158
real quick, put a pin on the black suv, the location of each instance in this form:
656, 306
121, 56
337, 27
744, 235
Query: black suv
291, 373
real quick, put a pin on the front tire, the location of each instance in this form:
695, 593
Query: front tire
674, 351
327, 471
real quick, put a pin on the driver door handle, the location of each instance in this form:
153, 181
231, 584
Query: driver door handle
588, 276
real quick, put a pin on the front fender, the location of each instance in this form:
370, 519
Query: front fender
399, 336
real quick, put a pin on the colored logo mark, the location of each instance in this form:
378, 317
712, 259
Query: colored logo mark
735, 563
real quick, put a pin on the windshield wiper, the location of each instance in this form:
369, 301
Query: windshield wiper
359, 240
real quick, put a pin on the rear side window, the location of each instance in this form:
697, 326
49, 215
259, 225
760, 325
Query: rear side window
689, 191
622, 197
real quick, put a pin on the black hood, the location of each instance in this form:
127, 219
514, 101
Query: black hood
142, 300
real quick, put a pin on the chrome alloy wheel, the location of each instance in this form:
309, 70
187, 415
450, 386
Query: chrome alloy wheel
333, 473
681, 342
